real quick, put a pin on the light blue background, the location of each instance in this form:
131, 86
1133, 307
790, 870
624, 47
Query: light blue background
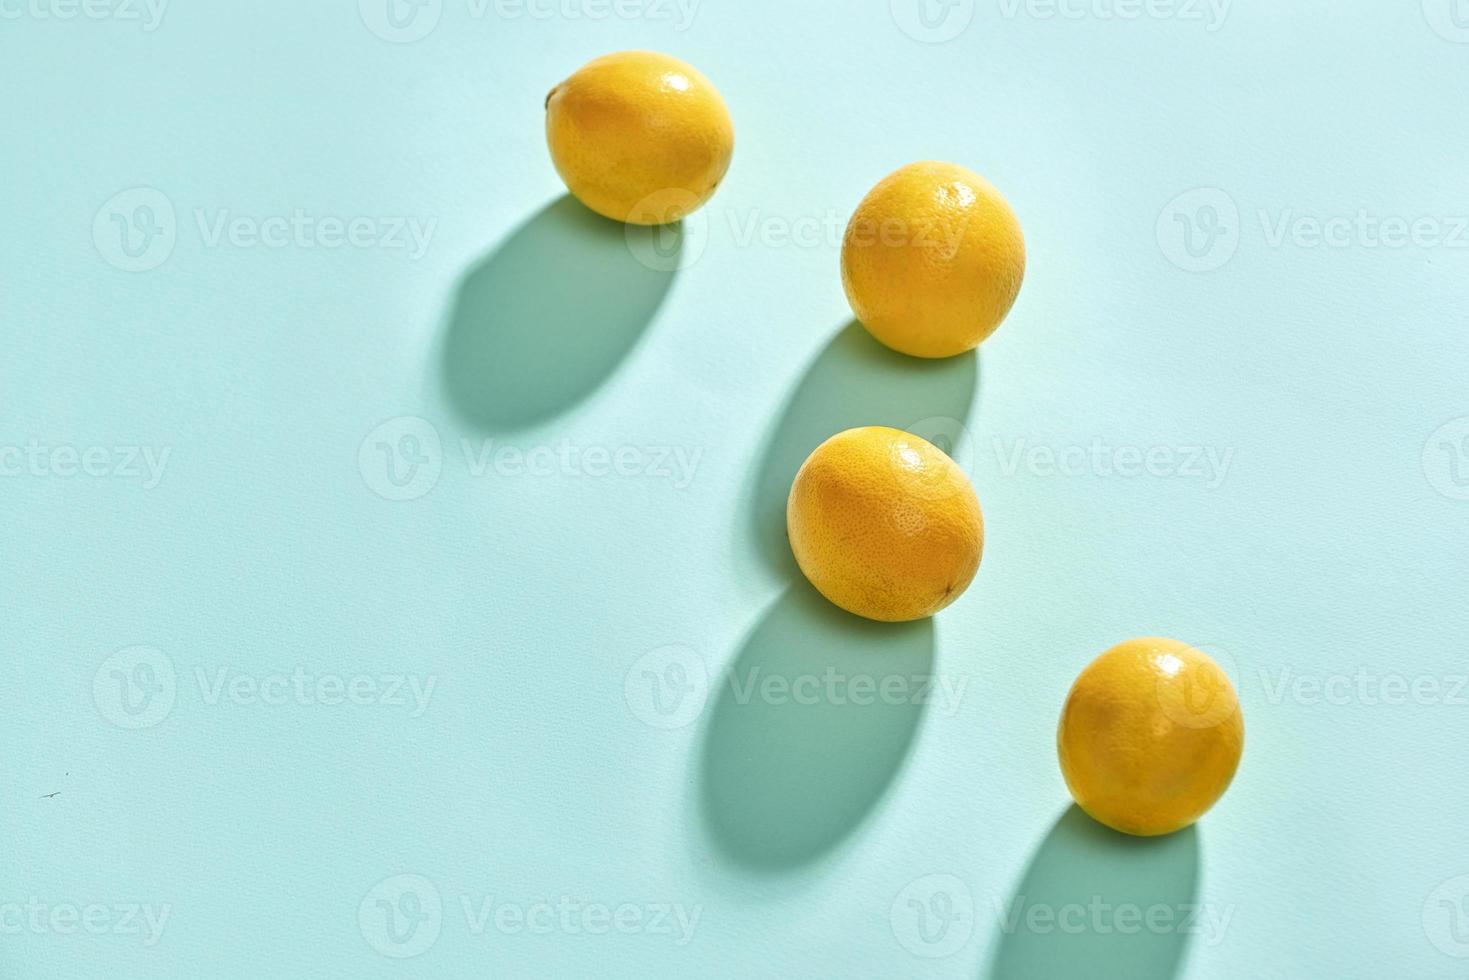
810, 840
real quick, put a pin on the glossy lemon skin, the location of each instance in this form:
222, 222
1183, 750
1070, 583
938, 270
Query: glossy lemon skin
884, 524
933, 260
639, 137
1150, 736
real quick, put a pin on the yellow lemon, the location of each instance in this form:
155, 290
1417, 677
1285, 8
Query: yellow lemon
639, 136
1150, 736
884, 524
932, 260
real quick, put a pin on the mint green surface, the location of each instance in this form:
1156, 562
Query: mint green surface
368, 599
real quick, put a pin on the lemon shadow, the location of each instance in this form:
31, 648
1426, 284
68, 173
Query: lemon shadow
813, 721
1099, 904
854, 381
544, 319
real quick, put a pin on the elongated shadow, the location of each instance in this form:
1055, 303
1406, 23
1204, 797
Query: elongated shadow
545, 318
854, 381
1099, 904
812, 723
